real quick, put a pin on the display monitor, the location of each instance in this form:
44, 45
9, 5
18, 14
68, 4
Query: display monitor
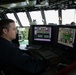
43, 34
66, 36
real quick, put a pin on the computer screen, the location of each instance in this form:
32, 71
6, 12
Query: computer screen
42, 34
66, 36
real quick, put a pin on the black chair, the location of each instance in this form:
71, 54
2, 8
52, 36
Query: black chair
1, 72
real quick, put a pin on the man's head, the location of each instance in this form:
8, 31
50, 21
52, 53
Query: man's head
7, 29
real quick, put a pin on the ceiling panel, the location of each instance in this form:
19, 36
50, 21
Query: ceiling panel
14, 1
9, 1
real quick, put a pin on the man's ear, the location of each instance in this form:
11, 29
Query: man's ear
5, 31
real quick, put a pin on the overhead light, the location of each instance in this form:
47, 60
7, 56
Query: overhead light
43, 3
12, 5
31, 2
75, 2
22, 4
27, 1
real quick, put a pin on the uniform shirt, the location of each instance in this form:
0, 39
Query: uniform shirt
12, 55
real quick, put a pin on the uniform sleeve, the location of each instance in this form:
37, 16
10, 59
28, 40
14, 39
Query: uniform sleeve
25, 61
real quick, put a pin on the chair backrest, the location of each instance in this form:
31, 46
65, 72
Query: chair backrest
69, 70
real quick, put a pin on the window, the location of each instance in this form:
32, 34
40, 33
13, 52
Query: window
36, 15
11, 16
51, 16
68, 16
23, 36
23, 18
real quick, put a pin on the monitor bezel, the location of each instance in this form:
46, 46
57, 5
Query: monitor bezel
43, 42
63, 46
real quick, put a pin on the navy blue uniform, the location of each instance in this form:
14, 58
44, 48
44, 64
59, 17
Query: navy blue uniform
15, 62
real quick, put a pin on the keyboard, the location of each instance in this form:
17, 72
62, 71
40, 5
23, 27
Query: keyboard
59, 51
34, 47
48, 54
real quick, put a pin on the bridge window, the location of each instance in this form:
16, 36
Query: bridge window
11, 16
23, 36
68, 16
36, 15
51, 16
23, 18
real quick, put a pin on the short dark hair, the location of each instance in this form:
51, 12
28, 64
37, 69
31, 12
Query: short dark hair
4, 23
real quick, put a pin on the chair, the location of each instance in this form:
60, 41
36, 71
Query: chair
69, 70
1, 72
